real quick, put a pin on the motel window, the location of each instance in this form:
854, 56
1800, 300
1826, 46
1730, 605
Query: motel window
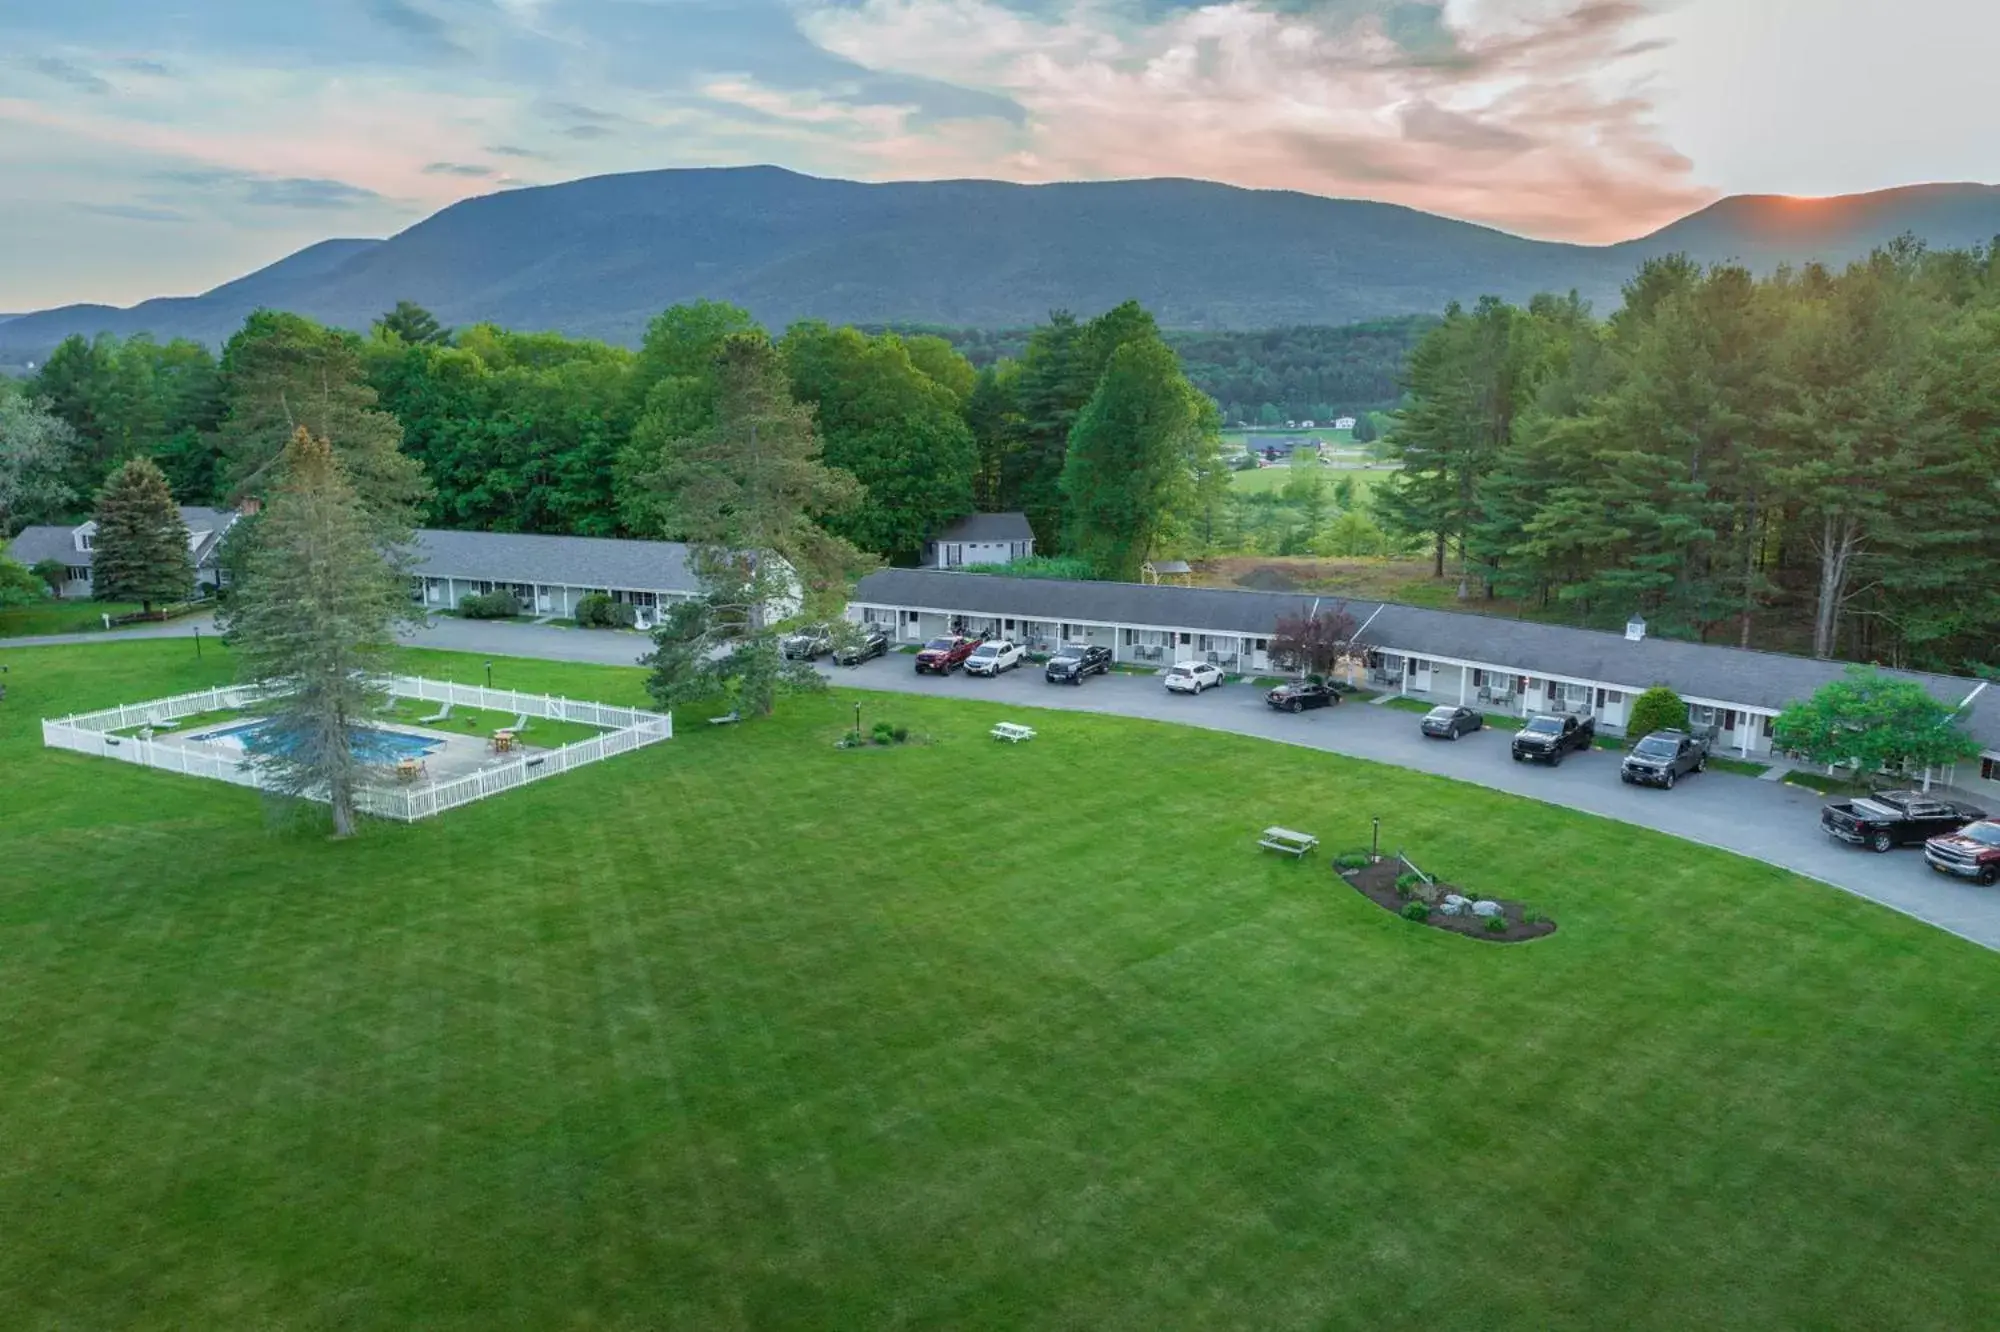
1989, 770
1767, 728
1478, 677
1263, 644
1009, 624
80, 575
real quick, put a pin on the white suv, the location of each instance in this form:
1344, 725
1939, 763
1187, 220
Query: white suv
1191, 677
995, 656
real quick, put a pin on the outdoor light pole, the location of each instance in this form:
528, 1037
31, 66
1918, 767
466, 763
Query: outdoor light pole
1375, 841
489, 675
857, 721
197, 642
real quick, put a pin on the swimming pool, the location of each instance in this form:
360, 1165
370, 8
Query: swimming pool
371, 745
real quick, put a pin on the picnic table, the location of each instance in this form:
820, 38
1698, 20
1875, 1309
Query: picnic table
1288, 840
503, 742
409, 769
1012, 732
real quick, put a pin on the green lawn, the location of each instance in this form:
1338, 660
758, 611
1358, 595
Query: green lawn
470, 721
742, 1032
60, 617
1264, 479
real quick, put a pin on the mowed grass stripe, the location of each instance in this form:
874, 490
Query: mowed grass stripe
740, 1031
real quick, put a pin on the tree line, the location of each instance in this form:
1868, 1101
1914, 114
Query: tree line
535, 432
1810, 459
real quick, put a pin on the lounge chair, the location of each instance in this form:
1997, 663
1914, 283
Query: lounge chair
520, 724
442, 714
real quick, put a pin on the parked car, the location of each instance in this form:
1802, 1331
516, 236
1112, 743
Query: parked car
1451, 722
1895, 818
1973, 852
871, 643
1664, 757
1300, 695
1547, 739
1191, 677
1073, 661
995, 656
810, 642
942, 656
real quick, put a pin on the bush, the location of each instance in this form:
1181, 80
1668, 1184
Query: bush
1530, 916
1496, 924
489, 606
883, 733
1353, 860
901, 735
598, 611
1416, 911
1658, 709
1408, 883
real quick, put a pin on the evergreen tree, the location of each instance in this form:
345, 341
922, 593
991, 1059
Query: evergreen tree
412, 325
314, 621
140, 549
1364, 428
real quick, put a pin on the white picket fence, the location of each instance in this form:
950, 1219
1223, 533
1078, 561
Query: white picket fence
627, 729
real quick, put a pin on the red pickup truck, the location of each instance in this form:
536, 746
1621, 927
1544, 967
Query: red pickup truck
1973, 852
942, 656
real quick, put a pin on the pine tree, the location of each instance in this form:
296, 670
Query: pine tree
412, 324
314, 620
140, 549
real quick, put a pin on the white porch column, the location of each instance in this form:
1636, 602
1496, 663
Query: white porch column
1463, 671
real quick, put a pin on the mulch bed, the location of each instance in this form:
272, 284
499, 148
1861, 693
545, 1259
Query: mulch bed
1377, 883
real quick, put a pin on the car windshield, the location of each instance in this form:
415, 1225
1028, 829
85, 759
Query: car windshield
938, 645
1653, 748
1443, 714
1544, 726
986, 650
1072, 651
1180, 670
1986, 834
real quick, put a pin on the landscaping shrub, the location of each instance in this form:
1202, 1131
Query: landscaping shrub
1496, 924
489, 606
598, 611
900, 735
1408, 882
1353, 860
1530, 916
1416, 911
1658, 709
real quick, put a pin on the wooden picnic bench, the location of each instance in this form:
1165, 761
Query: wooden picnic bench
1012, 732
1291, 842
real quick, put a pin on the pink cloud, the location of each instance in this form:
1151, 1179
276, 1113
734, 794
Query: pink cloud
1527, 114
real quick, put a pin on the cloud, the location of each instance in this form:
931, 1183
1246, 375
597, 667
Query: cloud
1519, 113
587, 133
423, 28
74, 75
270, 191
573, 111
457, 169
131, 212
509, 150
152, 67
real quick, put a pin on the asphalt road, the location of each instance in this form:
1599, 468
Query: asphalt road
1767, 821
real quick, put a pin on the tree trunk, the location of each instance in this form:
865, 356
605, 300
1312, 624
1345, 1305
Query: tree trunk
1749, 570
343, 810
1437, 563
1840, 537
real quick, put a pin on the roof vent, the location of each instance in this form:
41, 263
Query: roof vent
1635, 629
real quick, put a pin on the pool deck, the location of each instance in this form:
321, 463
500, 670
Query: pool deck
455, 755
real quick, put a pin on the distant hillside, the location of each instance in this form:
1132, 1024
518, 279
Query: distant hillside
600, 256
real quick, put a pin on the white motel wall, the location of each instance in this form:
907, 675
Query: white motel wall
627, 729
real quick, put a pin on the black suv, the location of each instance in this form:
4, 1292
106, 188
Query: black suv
871, 643
1073, 661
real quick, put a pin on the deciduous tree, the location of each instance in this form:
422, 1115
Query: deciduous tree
1132, 458
1313, 643
1869, 721
36, 451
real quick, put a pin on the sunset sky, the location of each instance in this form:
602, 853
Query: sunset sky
154, 147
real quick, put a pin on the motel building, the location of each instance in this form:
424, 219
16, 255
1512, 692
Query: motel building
1486, 662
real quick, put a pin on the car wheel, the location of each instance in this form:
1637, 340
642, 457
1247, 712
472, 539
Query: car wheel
1295, 706
1556, 759
1881, 842
1452, 735
1987, 877
1701, 764
1670, 779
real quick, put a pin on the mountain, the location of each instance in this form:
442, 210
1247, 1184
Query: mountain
600, 256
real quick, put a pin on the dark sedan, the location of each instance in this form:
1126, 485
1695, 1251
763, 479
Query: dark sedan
1300, 695
871, 643
1449, 723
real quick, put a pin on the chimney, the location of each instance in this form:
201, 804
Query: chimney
1635, 629
249, 505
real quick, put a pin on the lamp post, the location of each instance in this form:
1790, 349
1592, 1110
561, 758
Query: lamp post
197, 642
857, 721
1375, 841
489, 675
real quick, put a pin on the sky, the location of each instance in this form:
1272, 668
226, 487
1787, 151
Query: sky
159, 147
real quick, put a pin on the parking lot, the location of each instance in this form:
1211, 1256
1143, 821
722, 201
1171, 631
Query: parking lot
1767, 820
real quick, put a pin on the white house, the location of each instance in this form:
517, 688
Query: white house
1344, 423
981, 538
72, 547
1485, 661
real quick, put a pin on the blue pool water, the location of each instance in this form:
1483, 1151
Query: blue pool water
372, 745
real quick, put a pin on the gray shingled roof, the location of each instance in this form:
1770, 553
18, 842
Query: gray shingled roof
35, 544
566, 561
1725, 675
989, 527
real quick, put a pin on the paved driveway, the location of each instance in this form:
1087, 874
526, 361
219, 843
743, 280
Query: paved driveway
1767, 821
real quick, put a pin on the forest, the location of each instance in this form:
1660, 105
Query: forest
1809, 460
1094, 431
1311, 372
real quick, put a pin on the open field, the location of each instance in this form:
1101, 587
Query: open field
1264, 479
740, 1031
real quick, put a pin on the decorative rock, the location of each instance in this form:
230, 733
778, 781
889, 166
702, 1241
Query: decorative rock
1452, 906
1457, 900
1485, 908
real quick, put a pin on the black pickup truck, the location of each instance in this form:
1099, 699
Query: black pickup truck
1895, 818
1547, 739
1664, 757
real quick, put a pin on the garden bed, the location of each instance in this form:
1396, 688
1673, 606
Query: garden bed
1377, 883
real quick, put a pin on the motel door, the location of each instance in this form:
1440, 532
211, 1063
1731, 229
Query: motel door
542, 603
